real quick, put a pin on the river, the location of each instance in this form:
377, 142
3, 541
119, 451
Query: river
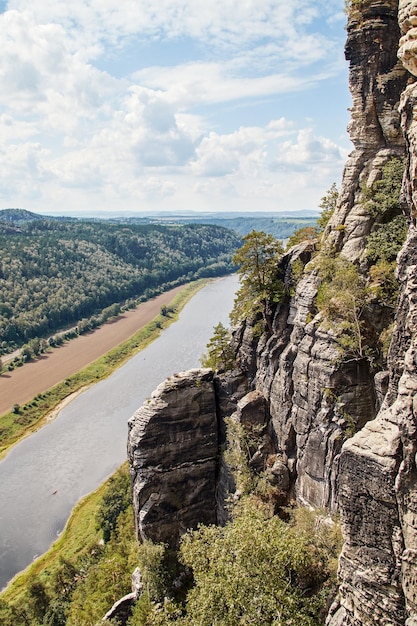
44, 476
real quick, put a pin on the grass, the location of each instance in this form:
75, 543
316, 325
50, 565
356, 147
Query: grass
31, 416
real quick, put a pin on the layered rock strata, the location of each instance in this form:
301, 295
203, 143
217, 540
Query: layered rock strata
316, 400
173, 448
377, 471
296, 389
376, 80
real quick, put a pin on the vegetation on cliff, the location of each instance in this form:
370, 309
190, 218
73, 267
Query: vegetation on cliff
261, 284
220, 354
257, 569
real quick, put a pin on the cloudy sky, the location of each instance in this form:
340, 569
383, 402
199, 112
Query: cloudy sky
146, 105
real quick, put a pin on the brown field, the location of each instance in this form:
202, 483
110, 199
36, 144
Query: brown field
24, 383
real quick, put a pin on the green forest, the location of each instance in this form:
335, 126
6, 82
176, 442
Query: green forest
55, 273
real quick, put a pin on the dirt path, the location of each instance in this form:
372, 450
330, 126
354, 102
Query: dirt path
24, 383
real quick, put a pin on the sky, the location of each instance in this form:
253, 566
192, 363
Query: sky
171, 105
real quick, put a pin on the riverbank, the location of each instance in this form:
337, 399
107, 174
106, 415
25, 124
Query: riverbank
79, 534
39, 387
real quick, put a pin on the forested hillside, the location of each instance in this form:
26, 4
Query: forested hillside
54, 273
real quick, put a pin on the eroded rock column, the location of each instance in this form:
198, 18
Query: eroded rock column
378, 477
173, 454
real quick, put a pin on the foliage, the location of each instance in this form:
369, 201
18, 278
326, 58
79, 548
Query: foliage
80, 590
342, 297
55, 273
328, 205
260, 281
387, 238
382, 197
256, 570
386, 241
116, 500
383, 285
280, 227
308, 233
220, 354
346, 297
153, 560
237, 453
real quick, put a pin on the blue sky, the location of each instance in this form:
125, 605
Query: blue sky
204, 105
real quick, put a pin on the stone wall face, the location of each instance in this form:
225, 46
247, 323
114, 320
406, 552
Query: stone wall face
376, 80
311, 400
313, 397
378, 477
173, 454
315, 400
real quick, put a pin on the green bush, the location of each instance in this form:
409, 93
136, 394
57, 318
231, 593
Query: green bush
255, 570
116, 500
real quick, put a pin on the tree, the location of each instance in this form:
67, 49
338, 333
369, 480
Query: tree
255, 570
328, 205
382, 197
115, 500
307, 233
220, 354
260, 279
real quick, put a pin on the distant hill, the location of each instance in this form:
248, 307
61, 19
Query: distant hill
279, 226
18, 216
55, 272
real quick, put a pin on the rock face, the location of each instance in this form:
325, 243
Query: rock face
376, 80
315, 400
173, 452
293, 389
377, 470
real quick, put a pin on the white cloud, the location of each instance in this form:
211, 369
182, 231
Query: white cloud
208, 83
246, 150
224, 23
307, 152
70, 126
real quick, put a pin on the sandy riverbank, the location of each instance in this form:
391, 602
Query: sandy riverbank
24, 383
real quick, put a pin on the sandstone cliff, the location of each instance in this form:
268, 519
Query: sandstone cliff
377, 474
173, 451
303, 398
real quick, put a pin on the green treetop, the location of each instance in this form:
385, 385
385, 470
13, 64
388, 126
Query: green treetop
260, 281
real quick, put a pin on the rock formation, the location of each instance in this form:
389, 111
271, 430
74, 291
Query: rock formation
376, 80
295, 391
173, 451
377, 472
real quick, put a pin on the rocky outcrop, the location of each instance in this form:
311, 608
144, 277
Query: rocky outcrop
316, 399
173, 451
377, 470
377, 78
179, 477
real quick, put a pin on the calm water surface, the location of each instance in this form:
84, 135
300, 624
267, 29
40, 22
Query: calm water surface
44, 476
